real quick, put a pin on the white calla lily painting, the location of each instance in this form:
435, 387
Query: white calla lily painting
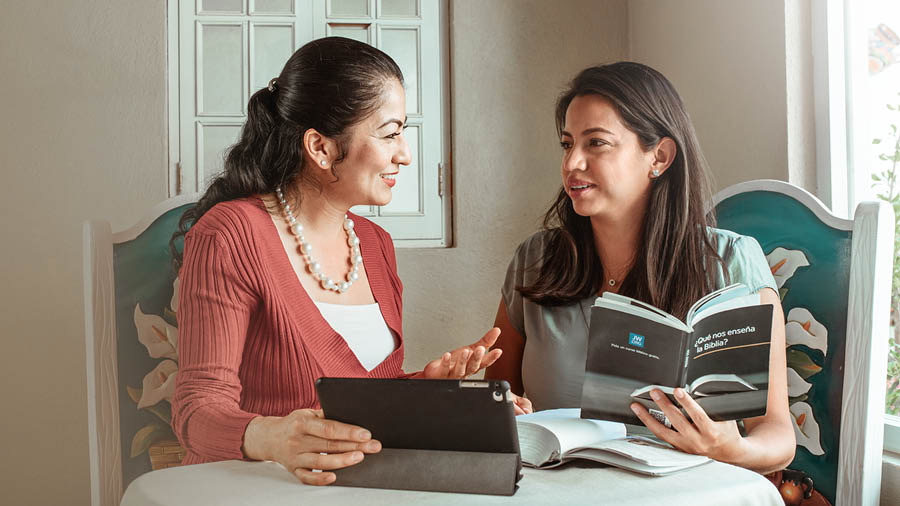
801, 327
784, 263
159, 384
160, 338
806, 428
797, 386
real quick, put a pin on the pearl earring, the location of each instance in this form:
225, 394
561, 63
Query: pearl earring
655, 172
322, 163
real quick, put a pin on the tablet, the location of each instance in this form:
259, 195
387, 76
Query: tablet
454, 415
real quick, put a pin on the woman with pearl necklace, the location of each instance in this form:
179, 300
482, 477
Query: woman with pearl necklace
281, 284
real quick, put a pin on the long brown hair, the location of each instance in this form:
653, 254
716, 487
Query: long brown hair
675, 258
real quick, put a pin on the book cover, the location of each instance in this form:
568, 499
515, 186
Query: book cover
720, 356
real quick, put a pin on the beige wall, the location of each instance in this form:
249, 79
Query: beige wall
83, 136
510, 60
727, 60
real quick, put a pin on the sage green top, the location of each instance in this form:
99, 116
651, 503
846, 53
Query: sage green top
556, 337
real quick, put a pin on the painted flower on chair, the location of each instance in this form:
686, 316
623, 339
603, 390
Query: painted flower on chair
159, 384
806, 428
161, 340
802, 328
797, 386
157, 335
784, 263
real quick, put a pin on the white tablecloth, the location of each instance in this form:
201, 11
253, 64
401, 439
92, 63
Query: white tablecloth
267, 483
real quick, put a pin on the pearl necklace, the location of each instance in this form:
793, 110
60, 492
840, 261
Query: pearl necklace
315, 268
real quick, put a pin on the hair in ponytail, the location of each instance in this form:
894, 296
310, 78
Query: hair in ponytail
328, 84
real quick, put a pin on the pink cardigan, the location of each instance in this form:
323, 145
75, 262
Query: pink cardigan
251, 341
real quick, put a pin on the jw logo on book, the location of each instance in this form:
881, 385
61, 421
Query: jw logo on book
635, 339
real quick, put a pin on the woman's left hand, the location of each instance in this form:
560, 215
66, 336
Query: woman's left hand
465, 361
521, 405
700, 435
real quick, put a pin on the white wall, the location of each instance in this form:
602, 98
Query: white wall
83, 136
510, 60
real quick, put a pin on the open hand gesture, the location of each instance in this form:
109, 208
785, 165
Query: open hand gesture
465, 361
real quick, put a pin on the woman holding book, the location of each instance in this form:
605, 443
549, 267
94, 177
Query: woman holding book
281, 284
631, 218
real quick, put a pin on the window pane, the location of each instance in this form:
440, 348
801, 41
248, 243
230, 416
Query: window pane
230, 6
273, 6
403, 46
272, 46
355, 32
214, 140
407, 190
876, 176
399, 8
221, 69
349, 8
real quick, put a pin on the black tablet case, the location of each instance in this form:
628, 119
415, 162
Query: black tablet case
436, 435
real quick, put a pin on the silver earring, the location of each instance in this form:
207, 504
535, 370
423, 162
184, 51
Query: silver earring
655, 172
322, 162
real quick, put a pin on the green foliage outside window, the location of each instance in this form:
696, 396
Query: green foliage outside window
888, 184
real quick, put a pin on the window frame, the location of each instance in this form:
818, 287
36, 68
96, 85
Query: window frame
838, 39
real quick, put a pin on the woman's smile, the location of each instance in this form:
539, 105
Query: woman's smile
390, 179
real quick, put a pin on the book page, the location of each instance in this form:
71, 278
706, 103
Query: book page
537, 445
711, 384
639, 454
626, 463
567, 427
652, 453
638, 308
724, 305
714, 297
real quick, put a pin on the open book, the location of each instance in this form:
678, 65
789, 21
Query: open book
719, 355
550, 438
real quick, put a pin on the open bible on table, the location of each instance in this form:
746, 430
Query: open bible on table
550, 438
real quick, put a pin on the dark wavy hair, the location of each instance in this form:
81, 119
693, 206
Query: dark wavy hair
676, 256
329, 85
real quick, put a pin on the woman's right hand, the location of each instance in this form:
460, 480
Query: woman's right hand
297, 441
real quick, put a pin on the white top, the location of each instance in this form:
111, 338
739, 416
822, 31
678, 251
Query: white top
364, 330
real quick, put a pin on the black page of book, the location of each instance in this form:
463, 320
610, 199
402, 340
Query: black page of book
626, 352
733, 342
